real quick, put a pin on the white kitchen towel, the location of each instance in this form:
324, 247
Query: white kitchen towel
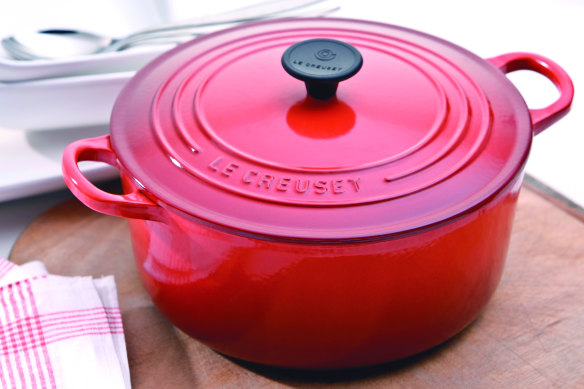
59, 332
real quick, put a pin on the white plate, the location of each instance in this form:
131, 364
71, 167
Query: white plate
60, 103
31, 161
130, 60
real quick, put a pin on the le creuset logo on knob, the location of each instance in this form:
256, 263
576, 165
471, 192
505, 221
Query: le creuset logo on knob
325, 54
317, 66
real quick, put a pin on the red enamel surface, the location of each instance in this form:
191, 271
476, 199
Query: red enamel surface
315, 306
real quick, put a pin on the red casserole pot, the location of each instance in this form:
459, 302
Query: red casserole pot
343, 227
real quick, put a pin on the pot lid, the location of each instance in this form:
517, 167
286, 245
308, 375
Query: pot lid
398, 131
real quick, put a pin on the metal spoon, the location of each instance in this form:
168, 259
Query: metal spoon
62, 43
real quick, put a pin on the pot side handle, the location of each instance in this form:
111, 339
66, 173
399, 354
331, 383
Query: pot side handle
541, 118
131, 205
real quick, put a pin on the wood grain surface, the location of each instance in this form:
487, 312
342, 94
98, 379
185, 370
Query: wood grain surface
531, 335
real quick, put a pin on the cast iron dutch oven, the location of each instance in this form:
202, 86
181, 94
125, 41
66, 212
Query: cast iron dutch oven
319, 227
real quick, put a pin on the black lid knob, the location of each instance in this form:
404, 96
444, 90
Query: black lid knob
322, 64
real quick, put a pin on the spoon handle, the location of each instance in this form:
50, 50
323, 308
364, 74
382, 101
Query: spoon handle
193, 27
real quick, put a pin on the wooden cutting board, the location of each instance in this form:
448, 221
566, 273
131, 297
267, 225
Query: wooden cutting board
531, 334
